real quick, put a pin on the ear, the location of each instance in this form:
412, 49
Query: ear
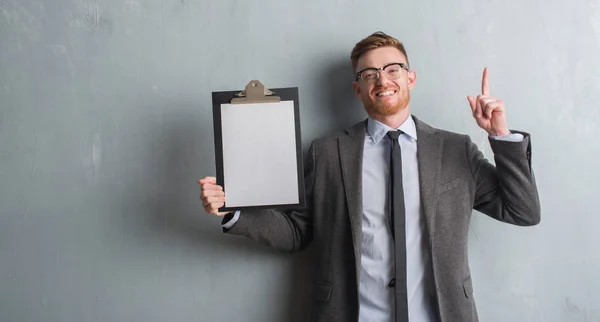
412, 79
356, 89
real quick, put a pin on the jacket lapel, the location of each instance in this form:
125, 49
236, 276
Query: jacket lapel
429, 155
351, 149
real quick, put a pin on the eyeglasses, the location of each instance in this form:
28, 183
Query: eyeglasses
392, 71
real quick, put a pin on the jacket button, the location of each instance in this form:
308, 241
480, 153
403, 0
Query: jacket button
392, 283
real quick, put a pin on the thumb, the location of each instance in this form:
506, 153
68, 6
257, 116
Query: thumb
472, 102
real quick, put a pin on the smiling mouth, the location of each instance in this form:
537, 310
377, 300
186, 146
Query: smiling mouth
386, 93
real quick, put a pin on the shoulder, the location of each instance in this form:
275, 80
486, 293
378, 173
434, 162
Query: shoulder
356, 131
448, 136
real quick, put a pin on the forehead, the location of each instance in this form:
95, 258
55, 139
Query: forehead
380, 57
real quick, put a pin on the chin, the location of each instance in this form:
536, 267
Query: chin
385, 110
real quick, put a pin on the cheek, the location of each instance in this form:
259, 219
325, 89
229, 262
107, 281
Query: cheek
362, 92
403, 87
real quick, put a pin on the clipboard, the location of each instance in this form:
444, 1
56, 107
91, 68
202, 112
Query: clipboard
258, 147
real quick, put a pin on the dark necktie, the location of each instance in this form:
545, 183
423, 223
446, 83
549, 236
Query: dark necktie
397, 224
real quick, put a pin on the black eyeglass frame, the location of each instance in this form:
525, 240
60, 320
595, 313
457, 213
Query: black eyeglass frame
360, 73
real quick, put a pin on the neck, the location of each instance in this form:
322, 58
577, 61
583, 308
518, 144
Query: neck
393, 121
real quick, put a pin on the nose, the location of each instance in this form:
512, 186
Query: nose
382, 78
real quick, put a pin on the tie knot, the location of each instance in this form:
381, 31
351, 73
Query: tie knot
394, 135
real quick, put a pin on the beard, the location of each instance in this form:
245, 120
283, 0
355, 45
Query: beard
386, 108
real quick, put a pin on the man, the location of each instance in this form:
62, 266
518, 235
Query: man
389, 213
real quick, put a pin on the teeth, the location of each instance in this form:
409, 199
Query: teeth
386, 93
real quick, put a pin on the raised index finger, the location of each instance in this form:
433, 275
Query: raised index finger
485, 84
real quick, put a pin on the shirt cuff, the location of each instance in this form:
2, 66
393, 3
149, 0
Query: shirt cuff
514, 137
232, 221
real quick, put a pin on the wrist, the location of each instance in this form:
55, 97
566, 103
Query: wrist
502, 132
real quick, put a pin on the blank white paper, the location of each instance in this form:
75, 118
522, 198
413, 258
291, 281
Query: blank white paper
259, 154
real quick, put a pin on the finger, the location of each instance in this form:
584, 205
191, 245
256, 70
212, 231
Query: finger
482, 100
211, 210
212, 193
210, 186
213, 200
214, 208
472, 103
204, 180
485, 84
491, 107
478, 110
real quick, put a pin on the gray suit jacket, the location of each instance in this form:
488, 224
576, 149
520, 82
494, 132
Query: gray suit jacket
455, 178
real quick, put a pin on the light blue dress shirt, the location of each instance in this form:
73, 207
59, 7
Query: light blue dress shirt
376, 298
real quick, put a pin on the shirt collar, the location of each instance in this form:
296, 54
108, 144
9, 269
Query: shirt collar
377, 130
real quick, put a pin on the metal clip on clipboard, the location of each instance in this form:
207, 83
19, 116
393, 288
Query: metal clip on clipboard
255, 92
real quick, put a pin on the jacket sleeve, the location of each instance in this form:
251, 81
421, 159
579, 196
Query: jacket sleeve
506, 192
285, 230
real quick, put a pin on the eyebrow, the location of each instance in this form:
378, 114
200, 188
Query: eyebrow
396, 62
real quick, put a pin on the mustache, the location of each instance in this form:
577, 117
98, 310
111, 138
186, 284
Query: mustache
383, 89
